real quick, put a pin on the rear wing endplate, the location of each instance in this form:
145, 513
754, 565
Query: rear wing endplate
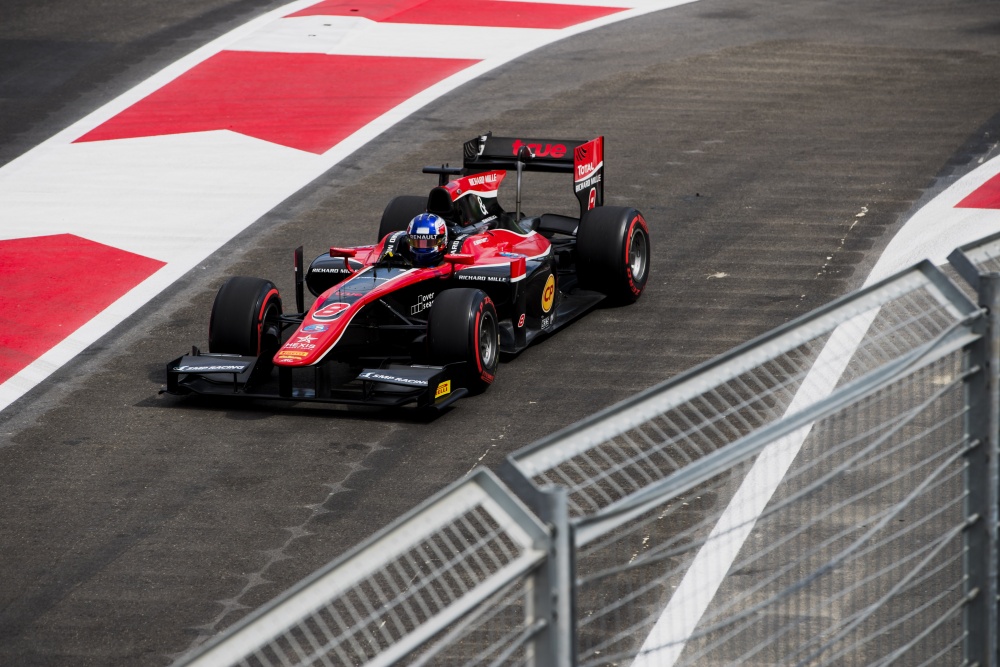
583, 159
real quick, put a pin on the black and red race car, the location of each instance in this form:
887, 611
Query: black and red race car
385, 332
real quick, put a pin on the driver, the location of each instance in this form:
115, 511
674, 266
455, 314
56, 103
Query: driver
427, 238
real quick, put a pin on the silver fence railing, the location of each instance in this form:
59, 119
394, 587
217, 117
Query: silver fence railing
825, 494
454, 581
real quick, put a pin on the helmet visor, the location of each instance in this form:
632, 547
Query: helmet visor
425, 241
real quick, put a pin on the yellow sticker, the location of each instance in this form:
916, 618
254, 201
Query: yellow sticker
443, 389
292, 353
549, 293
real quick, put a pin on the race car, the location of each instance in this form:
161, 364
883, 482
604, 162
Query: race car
386, 330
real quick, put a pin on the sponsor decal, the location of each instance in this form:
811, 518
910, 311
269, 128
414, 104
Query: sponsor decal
588, 183
315, 328
541, 150
424, 301
209, 369
520, 321
481, 180
320, 269
480, 241
392, 378
489, 279
286, 358
301, 343
582, 170
511, 255
549, 293
547, 321
456, 244
443, 389
293, 353
331, 311
588, 158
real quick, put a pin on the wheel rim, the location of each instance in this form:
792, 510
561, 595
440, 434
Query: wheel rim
638, 254
487, 341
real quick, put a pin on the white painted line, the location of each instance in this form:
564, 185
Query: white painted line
933, 232
347, 36
146, 196
938, 228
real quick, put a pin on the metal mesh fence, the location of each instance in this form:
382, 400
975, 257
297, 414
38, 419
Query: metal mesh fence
978, 258
857, 554
668, 429
415, 594
495, 633
788, 503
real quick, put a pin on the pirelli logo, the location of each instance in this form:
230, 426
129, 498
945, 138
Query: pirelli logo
443, 389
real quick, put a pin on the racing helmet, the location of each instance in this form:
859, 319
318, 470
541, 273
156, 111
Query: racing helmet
427, 236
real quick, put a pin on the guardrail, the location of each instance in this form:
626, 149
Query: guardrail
825, 494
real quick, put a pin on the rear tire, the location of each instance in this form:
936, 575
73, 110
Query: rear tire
613, 252
463, 326
246, 318
399, 212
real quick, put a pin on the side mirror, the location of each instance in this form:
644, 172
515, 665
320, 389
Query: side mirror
464, 260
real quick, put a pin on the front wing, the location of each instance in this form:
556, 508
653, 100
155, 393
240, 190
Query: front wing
394, 385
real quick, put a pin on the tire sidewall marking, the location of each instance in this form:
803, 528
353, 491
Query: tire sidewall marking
484, 374
260, 318
475, 336
638, 219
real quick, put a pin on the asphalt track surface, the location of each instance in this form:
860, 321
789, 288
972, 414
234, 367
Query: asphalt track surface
774, 147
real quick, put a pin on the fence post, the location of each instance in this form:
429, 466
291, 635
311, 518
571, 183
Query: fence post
982, 478
555, 582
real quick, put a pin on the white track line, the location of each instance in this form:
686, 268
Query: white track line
933, 232
347, 36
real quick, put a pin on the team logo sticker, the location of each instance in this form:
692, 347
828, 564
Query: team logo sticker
549, 293
315, 328
330, 311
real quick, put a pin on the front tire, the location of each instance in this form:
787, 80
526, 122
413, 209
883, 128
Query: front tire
399, 212
613, 252
246, 318
463, 326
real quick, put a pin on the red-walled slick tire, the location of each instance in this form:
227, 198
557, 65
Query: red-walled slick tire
613, 252
463, 327
245, 318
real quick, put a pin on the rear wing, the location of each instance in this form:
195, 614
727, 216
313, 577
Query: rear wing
583, 159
